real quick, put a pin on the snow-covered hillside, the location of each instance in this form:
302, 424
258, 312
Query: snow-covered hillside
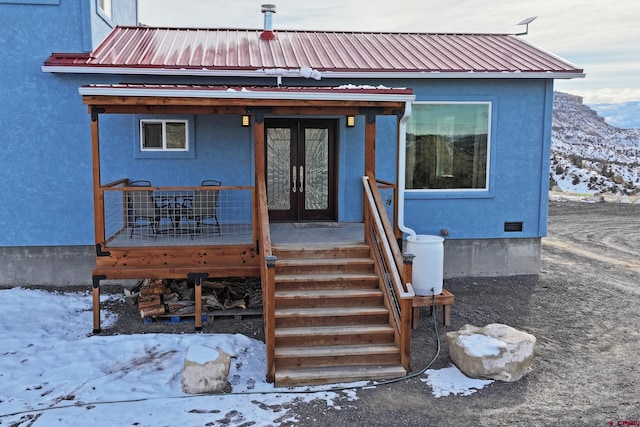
589, 156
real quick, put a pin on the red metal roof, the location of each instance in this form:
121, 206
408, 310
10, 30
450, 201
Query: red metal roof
149, 48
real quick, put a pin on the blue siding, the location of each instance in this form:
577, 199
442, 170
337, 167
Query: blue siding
520, 143
45, 151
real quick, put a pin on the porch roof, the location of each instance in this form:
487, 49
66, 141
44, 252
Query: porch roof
334, 93
313, 54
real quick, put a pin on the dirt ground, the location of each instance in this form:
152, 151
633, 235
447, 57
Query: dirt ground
584, 309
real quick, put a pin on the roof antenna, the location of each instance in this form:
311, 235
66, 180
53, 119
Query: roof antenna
526, 22
268, 10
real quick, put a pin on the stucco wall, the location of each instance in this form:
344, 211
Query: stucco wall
520, 150
46, 156
45, 152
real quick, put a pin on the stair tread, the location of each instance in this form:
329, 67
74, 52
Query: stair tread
336, 350
334, 330
318, 246
323, 261
329, 293
329, 374
330, 311
325, 277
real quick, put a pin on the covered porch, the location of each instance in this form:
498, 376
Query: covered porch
176, 240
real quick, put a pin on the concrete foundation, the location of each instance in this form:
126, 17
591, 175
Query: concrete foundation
492, 257
72, 265
46, 265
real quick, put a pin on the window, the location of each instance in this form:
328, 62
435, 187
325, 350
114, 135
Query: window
448, 146
164, 135
105, 7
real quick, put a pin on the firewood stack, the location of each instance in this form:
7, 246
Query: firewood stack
150, 301
176, 297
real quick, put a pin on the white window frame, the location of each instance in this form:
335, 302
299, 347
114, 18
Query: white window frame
105, 7
487, 188
164, 147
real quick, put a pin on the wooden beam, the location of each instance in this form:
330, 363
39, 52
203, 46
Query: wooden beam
199, 258
177, 273
387, 107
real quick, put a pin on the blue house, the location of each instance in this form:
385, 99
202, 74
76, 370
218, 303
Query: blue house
144, 152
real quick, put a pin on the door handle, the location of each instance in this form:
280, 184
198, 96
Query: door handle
302, 179
294, 177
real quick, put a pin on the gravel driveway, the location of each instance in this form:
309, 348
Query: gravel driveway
584, 309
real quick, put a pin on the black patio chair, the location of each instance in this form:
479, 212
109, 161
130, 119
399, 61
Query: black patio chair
142, 208
204, 206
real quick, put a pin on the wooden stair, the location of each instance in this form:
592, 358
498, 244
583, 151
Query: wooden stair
331, 324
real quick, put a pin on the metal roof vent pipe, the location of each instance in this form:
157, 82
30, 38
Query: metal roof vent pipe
267, 33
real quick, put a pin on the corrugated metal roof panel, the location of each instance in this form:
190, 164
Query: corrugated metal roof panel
227, 49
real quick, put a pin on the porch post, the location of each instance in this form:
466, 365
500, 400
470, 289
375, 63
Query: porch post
98, 197
259, 162
396, 190
370, 143
98, 211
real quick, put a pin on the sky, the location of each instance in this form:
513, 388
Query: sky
601, 37
53, 372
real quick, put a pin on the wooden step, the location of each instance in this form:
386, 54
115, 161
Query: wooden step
321, 250
337, 355
307, 317
335, 374
327, 281
300, 298
331, 324
335, 335
324, 265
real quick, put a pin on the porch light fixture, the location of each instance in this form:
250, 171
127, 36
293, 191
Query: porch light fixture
351, 121
246, 121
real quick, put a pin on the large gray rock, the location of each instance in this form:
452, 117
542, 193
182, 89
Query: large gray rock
205, 370
495, 351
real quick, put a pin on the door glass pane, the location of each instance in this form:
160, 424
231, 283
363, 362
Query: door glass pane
316, 173
278, 168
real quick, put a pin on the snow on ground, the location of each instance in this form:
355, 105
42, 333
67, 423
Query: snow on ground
52, 372
450, 380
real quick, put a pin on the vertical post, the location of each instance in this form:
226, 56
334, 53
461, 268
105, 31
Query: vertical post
95, 291
369, 159
198, 298
270, 318
370, 143
259, 162
408, 269
396, 190
98, 196
406, 316
197, 278
98, 210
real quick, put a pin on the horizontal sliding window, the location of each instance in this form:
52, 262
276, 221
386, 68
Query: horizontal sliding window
164, 135
448, 146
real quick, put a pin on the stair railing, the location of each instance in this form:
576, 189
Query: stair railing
394, 268
267, 275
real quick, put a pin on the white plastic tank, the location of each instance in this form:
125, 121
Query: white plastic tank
428, 264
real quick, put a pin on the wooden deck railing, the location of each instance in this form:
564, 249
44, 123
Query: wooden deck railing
394, 269
267, 274
178, 221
